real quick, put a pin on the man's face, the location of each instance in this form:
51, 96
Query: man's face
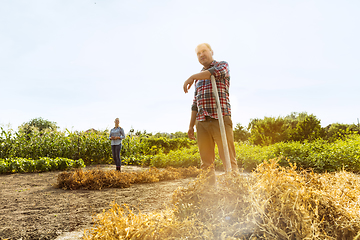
116, 121
204, 55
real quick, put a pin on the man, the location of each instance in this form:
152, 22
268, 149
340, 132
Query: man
204, 113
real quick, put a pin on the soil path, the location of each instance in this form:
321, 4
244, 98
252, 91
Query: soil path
31, 208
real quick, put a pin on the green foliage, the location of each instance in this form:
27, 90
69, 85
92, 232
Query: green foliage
92, 146
6, 141
295, 117
337, 131
24, 165
295, 127
307, 129
249, 156
185, 157
322, 156
297, 138
240, 133
318, 155
38, 123
179, 135
269, 130
138, 150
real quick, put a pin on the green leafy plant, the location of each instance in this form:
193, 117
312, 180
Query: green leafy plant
241, 134
22, 165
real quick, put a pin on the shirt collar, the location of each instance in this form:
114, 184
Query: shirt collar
211, 65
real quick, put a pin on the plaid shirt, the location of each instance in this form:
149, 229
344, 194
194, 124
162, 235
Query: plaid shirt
204, 101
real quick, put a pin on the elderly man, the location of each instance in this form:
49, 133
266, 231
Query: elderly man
204, 114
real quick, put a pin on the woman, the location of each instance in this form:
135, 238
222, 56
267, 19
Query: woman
116, 136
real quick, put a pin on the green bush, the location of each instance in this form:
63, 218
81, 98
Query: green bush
72, 145
184, 157
269, 130
308, 129
294, 127
241, 134
318, 155
21, 165
39, 124
151, 145
322, 156
93, 147
4, 166
249, 156
336, 131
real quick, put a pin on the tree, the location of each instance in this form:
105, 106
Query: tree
307, 129
240, 133
178, 134
293, 127
293, 118
335, 131
268, 131
39, 123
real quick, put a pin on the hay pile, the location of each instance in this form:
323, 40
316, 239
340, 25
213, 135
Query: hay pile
97, 179
271, 203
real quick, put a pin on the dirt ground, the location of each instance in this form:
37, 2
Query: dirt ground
31, 208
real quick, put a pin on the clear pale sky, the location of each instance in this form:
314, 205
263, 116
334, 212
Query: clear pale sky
83, 63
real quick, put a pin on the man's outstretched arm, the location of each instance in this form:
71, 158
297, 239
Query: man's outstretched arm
199, 76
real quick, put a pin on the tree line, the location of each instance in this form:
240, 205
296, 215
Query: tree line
301, 127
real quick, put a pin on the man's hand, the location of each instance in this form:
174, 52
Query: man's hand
191, 134
188, 83
199, 76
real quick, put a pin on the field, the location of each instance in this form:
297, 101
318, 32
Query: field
297, 190
271, 203
31, 208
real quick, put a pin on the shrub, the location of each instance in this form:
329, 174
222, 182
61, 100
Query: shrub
177, 158
308, 129
39, 124
92, 146
268, 131
240, 133
20, 165
322, 156
337, 131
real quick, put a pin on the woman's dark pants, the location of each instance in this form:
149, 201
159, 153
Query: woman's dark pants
116, 149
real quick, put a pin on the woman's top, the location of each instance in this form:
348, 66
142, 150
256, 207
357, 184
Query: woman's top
117, 132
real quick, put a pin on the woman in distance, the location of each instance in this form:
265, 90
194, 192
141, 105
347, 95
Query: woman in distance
116, 136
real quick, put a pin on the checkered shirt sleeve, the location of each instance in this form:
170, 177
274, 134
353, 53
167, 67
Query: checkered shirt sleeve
204, 101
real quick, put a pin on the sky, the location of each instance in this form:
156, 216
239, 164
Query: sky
83, 63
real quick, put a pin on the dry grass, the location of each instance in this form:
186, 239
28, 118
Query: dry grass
271, 203
97, 179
